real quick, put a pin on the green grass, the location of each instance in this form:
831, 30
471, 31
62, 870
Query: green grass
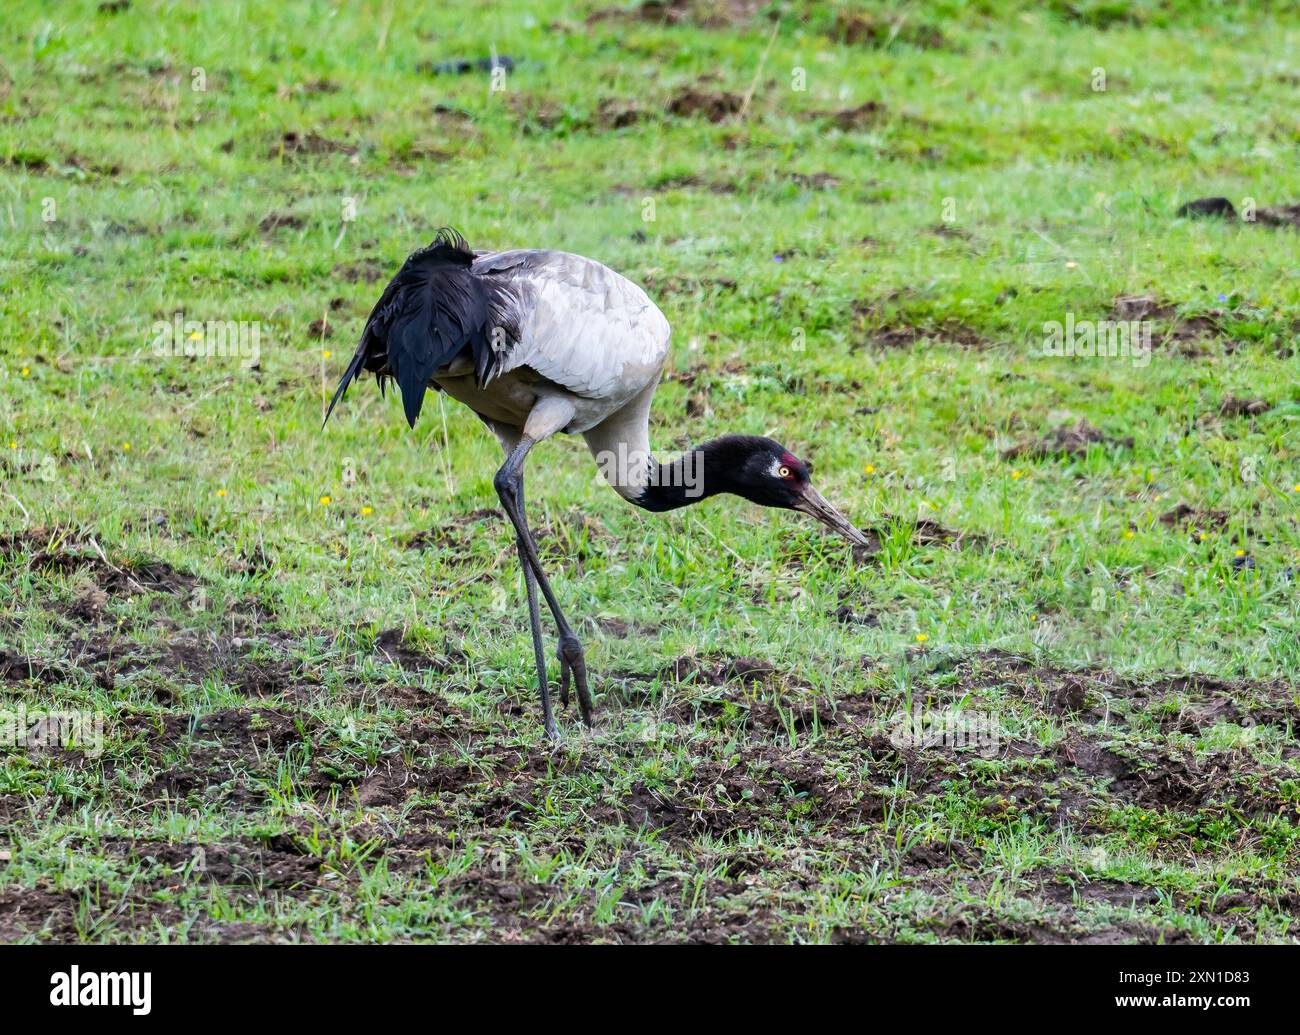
318, 729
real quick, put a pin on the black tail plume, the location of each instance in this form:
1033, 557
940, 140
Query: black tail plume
432, 311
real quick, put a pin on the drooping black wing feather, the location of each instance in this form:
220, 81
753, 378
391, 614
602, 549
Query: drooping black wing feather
431, 312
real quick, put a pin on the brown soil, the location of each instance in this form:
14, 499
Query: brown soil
281, 220
71, 557
868, 115
800, 767
1234, 407
1178, 329
1067, 440
868, 29
690, 102
709, 14
294, 143
1222, 208
1201, 520
902, 335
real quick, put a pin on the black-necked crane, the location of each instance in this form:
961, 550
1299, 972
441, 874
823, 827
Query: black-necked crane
538, 342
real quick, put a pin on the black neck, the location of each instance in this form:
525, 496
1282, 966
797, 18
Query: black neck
684, 481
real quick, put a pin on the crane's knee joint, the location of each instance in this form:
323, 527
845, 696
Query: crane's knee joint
570, 649
506, 483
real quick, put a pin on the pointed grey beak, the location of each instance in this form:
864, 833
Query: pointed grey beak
815, 504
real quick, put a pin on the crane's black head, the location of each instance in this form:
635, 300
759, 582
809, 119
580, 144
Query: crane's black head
766, 473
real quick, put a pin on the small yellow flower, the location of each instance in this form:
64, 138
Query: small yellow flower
26, 371
1296, 487
325, 501
1128, 534
326, 353
13, 444
367, 511
871, 469
1157, 497
921, 637
221, 493
1033, 618
126, 447
1202, 537
1241, 553
1015, 474
196, 335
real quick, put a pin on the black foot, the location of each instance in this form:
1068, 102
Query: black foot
573, 662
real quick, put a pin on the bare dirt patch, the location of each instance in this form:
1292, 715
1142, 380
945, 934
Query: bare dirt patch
878, 31
1071, 440
1222, 208
1234, 407
867, 115
708, 14
296, 144
16, 668
824, 770
715, 106
281, 221
903, 335
1185, 515
613, 113
51, 552
1181, 330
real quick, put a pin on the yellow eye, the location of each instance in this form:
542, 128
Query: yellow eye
784, 472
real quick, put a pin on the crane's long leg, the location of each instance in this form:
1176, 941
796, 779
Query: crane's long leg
549, 416
535, 622
509, 438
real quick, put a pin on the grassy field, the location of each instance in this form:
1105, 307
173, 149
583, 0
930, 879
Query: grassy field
309, 650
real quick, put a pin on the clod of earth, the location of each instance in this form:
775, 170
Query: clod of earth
143, 576
816, 181
1281, 215
717, 671
1130, 308
1234, 407
708, 14
1186, 514
864, 116
716, 107
278, 220
1217, 207
1222, 208
845, 615
612, 113
294, 143
879, 31
16, 668
1067, 440
903, 335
